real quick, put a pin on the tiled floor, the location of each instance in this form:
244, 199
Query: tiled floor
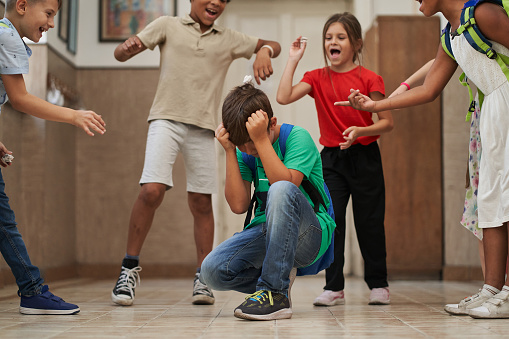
163, 310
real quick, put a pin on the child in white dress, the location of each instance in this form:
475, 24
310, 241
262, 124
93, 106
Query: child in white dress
493, 190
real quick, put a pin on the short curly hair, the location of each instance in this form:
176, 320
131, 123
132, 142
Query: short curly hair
239, 104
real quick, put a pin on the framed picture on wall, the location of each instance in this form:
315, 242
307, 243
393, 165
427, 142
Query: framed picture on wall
120, 19
72, 30
63, 20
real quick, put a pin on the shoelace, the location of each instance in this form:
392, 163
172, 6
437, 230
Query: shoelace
261, 296
472, 297
200, 288
129, 279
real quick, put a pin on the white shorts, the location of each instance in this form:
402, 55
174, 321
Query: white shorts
165, 139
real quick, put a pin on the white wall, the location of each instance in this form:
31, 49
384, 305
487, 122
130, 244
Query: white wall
91, 53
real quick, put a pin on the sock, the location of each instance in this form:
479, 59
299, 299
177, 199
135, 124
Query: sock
505, 288
491, 289
134, 257
130, 263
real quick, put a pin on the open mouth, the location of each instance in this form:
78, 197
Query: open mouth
211, 12
334, 52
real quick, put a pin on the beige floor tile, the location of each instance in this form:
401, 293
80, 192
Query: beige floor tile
163, 309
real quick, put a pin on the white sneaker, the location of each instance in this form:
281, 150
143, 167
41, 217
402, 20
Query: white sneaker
330, 298
471, 302
202, 294
123, 293
379, 296
496, 307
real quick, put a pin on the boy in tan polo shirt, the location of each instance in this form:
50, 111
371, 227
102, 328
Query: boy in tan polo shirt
195, 57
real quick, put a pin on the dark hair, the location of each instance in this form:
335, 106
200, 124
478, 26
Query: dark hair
352, 28
226, 1
10, 4
239, 104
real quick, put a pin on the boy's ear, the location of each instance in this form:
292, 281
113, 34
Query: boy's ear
273, 122
21, 6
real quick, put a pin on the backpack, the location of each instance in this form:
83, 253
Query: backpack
328, 257
469, 28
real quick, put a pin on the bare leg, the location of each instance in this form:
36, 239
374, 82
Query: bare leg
201, 208
481, 257
142, 215
495, 240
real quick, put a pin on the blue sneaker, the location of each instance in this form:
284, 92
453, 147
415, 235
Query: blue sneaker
46, 303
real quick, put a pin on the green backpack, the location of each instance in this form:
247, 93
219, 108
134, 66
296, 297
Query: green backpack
477, 40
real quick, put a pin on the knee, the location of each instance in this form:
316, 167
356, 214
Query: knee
280, 192
152, 194
209, 273
200, 204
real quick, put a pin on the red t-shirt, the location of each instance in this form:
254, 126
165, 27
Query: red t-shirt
334, 120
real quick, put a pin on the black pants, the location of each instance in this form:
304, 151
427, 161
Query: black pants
357, 172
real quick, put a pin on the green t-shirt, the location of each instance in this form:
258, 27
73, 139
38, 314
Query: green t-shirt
301, 155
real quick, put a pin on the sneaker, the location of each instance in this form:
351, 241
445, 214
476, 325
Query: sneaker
330, 298
496, 307
46, 303
471, 302
202, 294
379, 296
264, 305
123, 293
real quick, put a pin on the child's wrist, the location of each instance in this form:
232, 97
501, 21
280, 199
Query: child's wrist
269, 49
406, 85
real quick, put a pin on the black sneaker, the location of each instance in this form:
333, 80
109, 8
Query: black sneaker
264, 305
202, 294
123, 293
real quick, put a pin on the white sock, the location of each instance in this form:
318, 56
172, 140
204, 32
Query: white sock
505, 288
491, 289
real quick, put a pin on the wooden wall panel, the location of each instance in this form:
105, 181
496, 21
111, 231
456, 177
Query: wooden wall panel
396, 46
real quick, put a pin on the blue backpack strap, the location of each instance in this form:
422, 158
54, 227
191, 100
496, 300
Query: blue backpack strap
445, 38
284, 132
250, 161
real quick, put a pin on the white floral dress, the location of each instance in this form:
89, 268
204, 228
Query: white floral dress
470, 219
493, 185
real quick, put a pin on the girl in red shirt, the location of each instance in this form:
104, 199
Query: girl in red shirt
351, 159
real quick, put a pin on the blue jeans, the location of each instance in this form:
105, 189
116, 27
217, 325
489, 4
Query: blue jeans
261, 257
28, 277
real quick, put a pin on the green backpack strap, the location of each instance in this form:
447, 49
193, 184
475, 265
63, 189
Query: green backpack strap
464, 81
477, 40
445, 38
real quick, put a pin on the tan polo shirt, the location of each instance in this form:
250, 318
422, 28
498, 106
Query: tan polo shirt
193, 68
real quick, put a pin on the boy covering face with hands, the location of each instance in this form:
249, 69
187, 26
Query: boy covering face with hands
286, 233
